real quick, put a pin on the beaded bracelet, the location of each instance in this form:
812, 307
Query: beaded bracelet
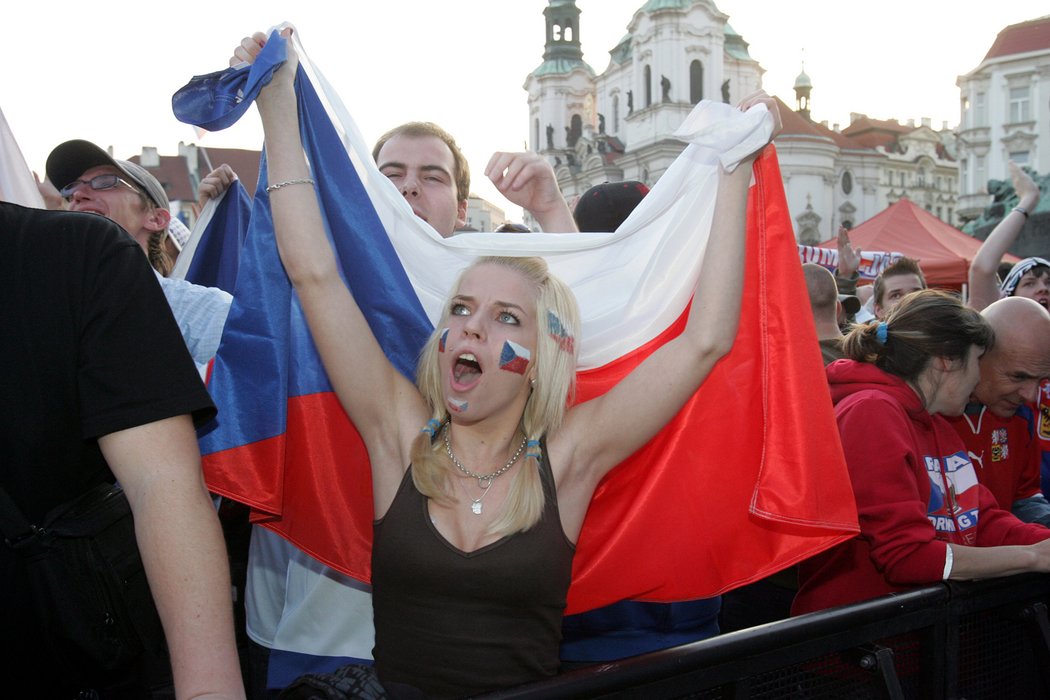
1022, 211
296, 181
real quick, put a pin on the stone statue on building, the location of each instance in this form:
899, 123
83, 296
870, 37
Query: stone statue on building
550, 137
725, 92
630, 102
665, 86
1004, 198
601, 123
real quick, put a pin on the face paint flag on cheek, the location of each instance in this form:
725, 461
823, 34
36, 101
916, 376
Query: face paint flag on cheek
514, 358
560, 333
443, 339
457, 405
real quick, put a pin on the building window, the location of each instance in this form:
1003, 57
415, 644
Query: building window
1019, 157
616, 114
648, 77
563, 32
847, 182
1018, 104
980, 117
696, 82
575, 130
980, 174
536, 145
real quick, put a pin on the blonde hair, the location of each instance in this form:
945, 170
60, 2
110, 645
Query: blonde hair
555, 365
158, 256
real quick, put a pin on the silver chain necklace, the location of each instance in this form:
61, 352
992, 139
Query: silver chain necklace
484, 480
475, 503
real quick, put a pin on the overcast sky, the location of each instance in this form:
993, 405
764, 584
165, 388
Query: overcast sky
105, 70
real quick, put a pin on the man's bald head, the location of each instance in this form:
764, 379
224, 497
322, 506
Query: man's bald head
1012, 370
821, 287
823, 300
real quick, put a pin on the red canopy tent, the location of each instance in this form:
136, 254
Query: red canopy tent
943, 251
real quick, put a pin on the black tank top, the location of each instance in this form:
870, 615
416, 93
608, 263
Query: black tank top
453, 623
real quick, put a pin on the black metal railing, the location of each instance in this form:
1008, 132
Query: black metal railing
986, 639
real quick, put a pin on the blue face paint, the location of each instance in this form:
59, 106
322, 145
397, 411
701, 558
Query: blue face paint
457, 405
514, 358
559, 332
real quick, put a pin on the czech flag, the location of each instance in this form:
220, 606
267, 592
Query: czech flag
211, 257
748, 479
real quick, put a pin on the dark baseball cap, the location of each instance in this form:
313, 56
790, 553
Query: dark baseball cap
604, 207
850, 303
72, 159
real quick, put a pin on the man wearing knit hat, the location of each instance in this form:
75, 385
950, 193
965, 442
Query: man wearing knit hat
1030, 278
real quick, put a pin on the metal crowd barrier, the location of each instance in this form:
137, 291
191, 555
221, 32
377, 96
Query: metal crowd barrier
975, 640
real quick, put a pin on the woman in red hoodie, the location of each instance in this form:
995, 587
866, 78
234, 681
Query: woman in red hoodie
923, 516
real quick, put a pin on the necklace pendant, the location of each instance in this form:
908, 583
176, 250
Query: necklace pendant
475, 507
484, 483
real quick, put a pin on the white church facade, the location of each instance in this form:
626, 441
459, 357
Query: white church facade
617, 125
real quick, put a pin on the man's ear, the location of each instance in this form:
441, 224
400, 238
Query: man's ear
158, 219
944, 364
461, 214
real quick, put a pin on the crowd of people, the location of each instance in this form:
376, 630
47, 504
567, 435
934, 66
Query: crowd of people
483, 470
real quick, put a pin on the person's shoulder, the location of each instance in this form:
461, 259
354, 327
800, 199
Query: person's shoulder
872, 402
59, 230
186, 288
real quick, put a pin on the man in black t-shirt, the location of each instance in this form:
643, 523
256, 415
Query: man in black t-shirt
96, 386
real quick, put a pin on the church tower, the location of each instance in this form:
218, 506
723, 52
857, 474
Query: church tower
563, 31
803, 86
619, 125
561, 89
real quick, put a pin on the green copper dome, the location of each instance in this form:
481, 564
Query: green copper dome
561, 66
655, 5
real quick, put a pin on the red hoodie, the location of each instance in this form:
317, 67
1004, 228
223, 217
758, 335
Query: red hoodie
916, 490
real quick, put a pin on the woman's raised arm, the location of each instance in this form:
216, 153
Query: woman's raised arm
375, 395
606, 430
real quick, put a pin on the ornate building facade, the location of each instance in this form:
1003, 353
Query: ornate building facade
617, 125
1005, 112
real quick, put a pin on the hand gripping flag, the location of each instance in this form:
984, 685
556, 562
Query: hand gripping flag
211, 256
748, 479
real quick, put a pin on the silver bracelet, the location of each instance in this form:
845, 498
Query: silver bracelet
1021, 210
296, 181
